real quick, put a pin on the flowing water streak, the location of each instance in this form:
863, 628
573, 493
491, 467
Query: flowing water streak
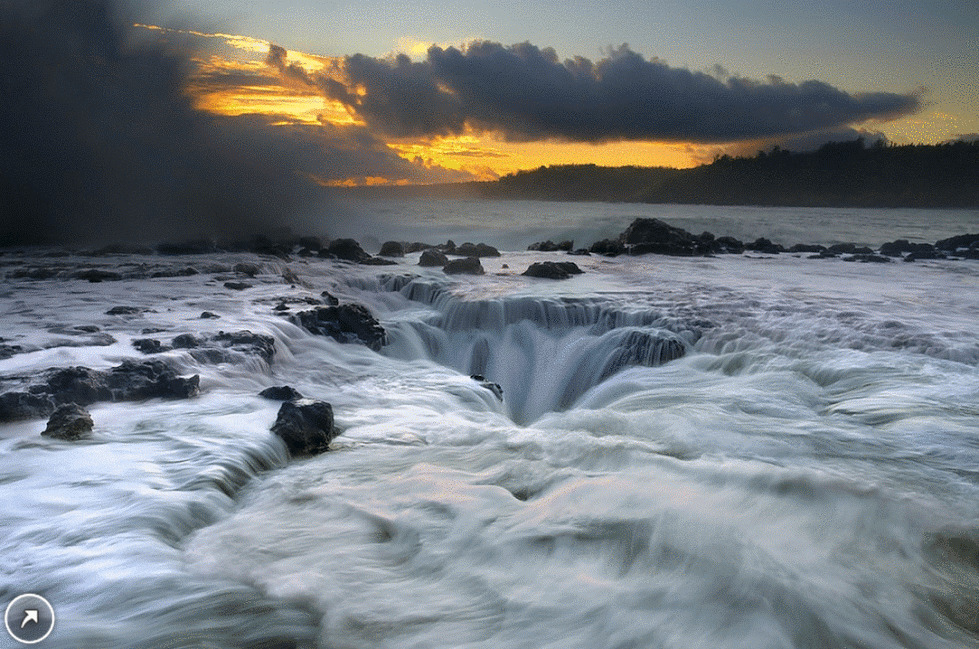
801, 475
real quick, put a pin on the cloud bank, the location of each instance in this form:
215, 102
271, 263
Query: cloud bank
527, 93
98, 141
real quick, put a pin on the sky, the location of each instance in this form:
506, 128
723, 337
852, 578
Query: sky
132, 119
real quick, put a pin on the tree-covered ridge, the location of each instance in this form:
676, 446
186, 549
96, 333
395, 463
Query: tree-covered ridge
838, 174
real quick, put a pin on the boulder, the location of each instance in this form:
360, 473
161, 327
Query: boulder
346, 323
392, 249
433, 257
237, 286
280, 393
475, 250
645, 236
842, 248
607, 247
466, 266
553, 270
379, 261
124, 310
207, 315
69, 422
728, 245
149, 346
807, 247
245, 268
305, 426
543, 246
345, 249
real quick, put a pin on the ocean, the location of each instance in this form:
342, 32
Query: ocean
743, 451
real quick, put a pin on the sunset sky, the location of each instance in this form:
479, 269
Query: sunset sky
516, 85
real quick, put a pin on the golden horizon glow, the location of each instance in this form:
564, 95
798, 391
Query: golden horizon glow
256, 88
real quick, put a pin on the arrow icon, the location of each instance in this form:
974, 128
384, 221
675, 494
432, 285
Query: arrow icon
30, 615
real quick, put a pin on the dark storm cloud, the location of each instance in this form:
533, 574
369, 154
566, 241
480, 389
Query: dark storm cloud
99, 142
527, 93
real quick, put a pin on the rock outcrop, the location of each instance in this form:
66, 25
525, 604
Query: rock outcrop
466, 266
69, 422
305, 426
345, 323
553, 270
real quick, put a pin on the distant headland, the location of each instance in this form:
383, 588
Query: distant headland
839, 174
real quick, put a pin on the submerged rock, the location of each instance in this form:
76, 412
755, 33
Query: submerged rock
69, 422
553, 270
467, 266
495, 388
306, 426
280, 393
237, 286
125, 310
347, 323
97, 275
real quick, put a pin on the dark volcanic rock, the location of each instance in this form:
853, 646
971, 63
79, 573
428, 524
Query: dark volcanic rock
306, 427
645, 236
550, 246
247, 342
378, 261
763, 245
895, 248
607, 247
957, 242
347, 250
237, 286
432, 257
248, 269
347, 323
495, 388
97, 275
467, 266
728, 245
69, 422
553, 269
149, 346
864, 257
807, 247
842, 248
280, 393
475, 250
129, 381
207, 315
392, 249
124, 310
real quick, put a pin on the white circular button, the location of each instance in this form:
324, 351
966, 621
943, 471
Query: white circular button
29, 618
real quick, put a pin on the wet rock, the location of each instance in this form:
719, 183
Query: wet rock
392, 249
728, 245
868, 258
125, 310
378, 261
644, 236
207, 315
475, 250
807, 247
550, 246
347, 250
842, 248
280, 393
553, 270
69, 422
25, 405
580, 252
417, 246
95, 275
245, 268
247, 342
306, 426
962, 241
495, 388
329, 299
149, 346
764, 246
466, 266
186, 341
346, 323
7, 351
237, 286
433, 257
607, 247
174, 272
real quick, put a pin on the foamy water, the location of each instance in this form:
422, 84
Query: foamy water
790, 459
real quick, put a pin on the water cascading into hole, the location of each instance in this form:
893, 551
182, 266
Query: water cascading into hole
545, 353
